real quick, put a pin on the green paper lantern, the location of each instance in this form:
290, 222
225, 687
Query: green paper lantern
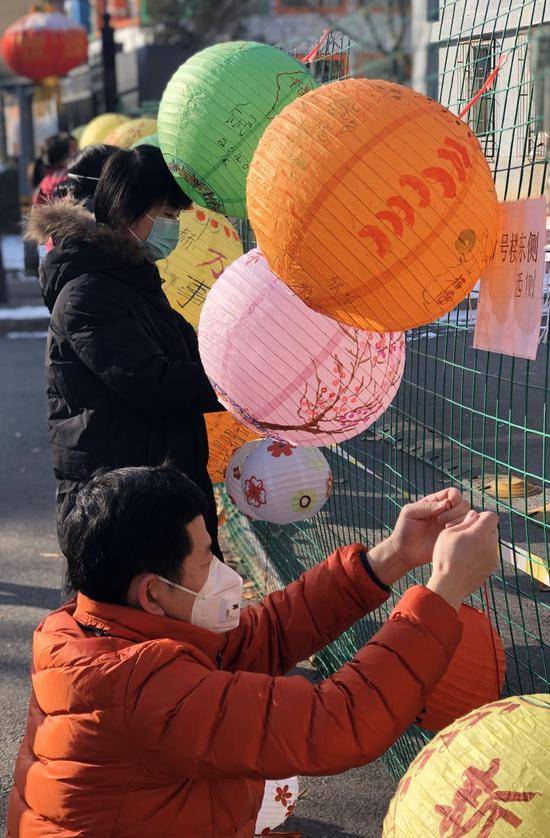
151, 139
213, 112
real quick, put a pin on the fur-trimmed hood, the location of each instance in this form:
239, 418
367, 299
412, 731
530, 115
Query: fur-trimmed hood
81, 246
68, 220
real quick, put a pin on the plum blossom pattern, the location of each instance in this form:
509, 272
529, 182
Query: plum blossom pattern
276, 449
254, 492
283, 795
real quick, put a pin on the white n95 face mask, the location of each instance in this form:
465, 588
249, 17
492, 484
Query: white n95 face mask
217, 605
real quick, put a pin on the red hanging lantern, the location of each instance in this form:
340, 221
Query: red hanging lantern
475, 674
44, 44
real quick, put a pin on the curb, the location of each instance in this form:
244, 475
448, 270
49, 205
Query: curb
17, 325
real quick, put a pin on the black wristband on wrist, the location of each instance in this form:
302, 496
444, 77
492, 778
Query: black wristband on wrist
366, 564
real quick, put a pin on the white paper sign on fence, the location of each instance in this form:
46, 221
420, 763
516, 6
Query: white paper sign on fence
510, 299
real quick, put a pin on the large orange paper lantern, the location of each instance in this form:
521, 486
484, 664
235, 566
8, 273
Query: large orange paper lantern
485, 776
44, 44
475, 675
373, 203
225, 435
208, 243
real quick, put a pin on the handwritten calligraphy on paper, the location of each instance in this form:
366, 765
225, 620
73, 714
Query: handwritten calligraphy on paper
510, 299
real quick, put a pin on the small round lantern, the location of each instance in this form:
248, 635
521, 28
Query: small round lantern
150, 139
475, 675
215, 109
375, 204
280, 797
100, 127
208, 243
124, 136
44, 44
233, 475
287, 371
283, 484
485, 775
225, 434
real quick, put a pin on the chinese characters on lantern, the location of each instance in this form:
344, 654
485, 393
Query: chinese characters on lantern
510, 299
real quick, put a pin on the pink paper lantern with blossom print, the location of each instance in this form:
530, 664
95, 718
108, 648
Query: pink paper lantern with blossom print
283, 483
291, 373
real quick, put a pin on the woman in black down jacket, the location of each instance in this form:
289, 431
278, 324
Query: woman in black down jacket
125, 384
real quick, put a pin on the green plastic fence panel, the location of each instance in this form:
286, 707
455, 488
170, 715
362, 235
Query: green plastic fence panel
462, 417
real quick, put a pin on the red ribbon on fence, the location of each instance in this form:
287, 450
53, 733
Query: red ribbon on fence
312, 54
487, 84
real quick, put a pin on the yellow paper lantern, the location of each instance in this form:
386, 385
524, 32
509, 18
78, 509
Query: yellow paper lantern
99, 128
125, 136
485, 775
208, 244
373, 203
225, 435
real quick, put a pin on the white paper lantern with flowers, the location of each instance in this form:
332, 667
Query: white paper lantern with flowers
280, 797
291, 373
283, 484
233, 475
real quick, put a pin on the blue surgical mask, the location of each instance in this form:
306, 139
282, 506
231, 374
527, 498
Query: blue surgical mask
163, 238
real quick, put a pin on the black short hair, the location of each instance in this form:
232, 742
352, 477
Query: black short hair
86, 164
133, 182
129, 521
57, 149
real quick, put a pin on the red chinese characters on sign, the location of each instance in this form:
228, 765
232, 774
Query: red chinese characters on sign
478, 801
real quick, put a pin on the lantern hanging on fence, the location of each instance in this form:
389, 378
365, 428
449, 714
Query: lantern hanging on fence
208, 243
233, 475
475, 675
124, 136
215, 109
44, 44
375, 204
287, 371
280, 797
485, 775
283, 484
150, 139
225, 435
100, 127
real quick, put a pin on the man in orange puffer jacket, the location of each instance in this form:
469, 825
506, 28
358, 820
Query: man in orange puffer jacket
158, 709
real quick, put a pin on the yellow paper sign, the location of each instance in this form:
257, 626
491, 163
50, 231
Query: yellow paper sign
510, 298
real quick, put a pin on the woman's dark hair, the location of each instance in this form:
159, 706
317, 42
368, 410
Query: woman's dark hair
56, 150
132, 183
84, 171
130, 521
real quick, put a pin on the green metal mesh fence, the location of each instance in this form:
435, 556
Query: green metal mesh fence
462, 417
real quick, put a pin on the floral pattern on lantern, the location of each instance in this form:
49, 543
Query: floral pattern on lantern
374, 203
287, 371
233, 478
287, 487
278, 803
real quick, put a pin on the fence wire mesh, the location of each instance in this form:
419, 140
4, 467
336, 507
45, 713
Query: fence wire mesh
472, 419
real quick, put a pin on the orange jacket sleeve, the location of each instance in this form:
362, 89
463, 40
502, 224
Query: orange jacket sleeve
294, 623
189, 721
